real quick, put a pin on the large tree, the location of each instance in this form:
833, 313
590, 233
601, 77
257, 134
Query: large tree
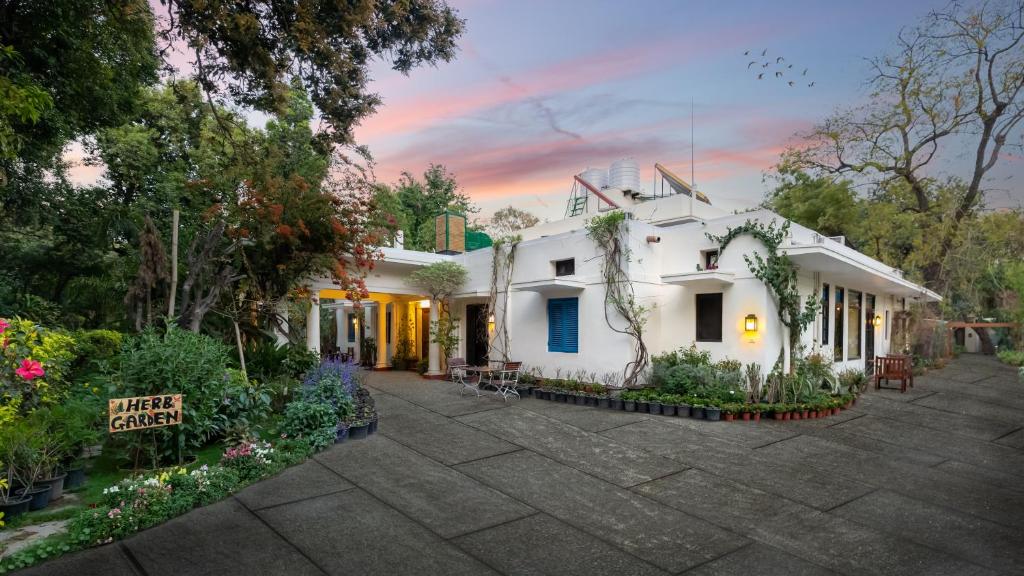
951, 83
411, 205
250, 50
510, 220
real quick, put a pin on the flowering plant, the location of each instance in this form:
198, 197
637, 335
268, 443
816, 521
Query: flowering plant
250, 459
33, 363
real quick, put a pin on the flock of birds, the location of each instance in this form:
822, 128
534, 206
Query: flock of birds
782, 69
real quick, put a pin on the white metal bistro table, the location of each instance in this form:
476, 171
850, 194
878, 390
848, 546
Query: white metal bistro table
483, 372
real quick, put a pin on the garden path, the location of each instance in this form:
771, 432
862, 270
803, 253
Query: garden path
928, 482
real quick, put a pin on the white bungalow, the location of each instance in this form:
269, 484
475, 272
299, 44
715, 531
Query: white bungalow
556, 301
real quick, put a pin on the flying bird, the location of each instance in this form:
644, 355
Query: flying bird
751, 64
790, 82
777, 74
805, 72
760, 76
747, 53
779, 59
810, 85
765, 65
764, 52
790, 66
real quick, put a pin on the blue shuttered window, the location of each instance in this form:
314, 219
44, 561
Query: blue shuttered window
563, 325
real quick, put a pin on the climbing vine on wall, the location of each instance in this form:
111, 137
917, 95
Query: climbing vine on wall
778, 273
608, 233
502, 265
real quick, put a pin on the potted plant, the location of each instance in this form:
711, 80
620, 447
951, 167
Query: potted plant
13, 443
653, 406
341, 433
358, 429
745, 412
713, 413
729, 412
603, 401
697, 410
615, 403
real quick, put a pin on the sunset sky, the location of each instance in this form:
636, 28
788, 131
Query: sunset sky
541, 90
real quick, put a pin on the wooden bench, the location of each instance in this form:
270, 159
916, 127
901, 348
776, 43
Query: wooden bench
894, 368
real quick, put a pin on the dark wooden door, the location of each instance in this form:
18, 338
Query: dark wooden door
476, 334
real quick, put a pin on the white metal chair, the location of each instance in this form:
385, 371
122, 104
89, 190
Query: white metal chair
458, 374
508, 379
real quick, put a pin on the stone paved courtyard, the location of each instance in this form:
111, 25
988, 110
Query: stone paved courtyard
928, 482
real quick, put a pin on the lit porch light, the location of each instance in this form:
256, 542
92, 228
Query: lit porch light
877, 321
424, 303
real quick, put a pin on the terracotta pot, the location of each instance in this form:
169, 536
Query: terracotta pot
778, 415
836, 411
746, 416
728, 417
786, 415
796, 416
757, 416
804, 413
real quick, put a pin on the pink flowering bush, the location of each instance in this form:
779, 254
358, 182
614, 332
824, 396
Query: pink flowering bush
250, 459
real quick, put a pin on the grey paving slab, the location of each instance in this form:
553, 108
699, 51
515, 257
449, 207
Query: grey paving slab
306, 480
587, 451
815, 487
441, 397
850, 548
941, 528
880, 447
444, 500
978, 407
759, 559
1014, 439
433, 435
722, 501
352, 532
656, 533
986, 454
224, 538
106, 560
926, 417
588, 418
976, 474
932, 484
544, 545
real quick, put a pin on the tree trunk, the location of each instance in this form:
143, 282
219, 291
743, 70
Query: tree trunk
987, 347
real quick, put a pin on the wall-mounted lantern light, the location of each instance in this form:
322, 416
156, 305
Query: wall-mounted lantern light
877, 321
424, 303
490, 324
750, 323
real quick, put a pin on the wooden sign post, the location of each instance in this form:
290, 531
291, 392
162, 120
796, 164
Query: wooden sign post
143, 412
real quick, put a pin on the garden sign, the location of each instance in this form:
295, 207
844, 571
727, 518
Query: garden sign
144, 412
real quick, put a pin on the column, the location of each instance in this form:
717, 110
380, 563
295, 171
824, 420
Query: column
434, 351
381, 335
313, 325
360, 316
341, 323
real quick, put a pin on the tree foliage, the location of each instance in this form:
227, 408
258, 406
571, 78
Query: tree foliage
249, 51
953, 82
411, 205
509, 220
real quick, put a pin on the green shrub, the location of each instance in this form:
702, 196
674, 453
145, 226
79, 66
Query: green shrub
98, 348
1012, 357
246, 403
176, 362
313, 422
853, 381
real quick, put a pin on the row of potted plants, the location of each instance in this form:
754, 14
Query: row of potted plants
43, 454
653, 402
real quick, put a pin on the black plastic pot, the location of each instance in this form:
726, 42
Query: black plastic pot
615, 404
15, 507
373, 424
39, 497
591, 400
359, 432
629, 405
643, 406
340, 434
654, 407
713, 413
540, 394
697, 412
559, 396
56, 485
683, 410
75, 479
603, 402
668, 409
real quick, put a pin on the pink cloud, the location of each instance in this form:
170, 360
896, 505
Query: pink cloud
569, 74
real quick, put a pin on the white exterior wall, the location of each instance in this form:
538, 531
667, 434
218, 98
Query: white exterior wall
672, 317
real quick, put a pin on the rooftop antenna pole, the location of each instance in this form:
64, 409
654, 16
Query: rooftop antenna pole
693, 180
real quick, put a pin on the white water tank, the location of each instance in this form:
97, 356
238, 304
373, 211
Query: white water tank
596, 177
624, 175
